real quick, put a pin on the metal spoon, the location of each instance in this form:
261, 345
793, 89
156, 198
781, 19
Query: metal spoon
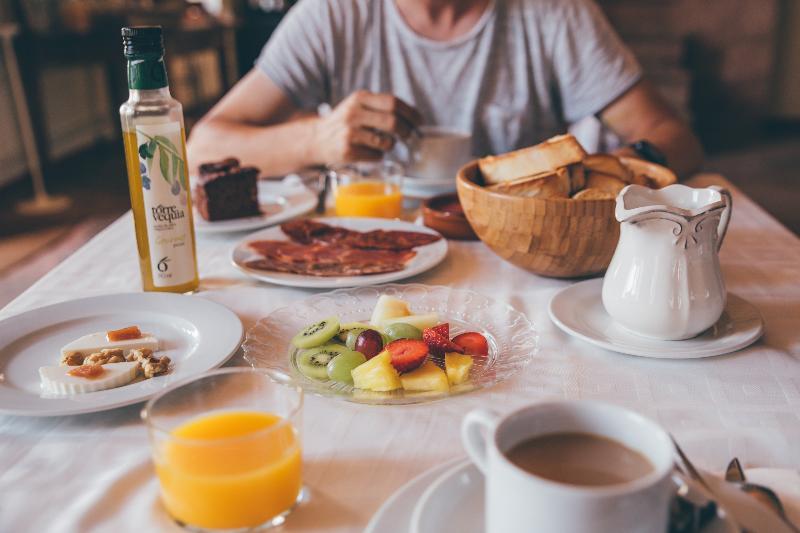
735, 474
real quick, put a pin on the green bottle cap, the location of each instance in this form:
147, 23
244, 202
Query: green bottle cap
138, 41
143, 47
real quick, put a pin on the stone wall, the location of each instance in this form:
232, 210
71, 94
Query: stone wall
714, 58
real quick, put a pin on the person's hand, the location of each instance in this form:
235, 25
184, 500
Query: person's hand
362, 127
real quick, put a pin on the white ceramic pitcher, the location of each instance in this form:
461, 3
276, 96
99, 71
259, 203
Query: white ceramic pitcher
664, 280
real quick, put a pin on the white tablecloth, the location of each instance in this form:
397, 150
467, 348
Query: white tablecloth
93, 472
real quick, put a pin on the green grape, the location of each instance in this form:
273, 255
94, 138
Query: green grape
402, 331
340, 366
352, 335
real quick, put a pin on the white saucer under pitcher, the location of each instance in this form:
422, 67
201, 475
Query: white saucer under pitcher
578, 311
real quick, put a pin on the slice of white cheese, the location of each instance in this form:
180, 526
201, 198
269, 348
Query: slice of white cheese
94, 342
56, 380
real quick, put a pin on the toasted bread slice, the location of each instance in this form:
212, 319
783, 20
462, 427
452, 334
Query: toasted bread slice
544, 185
593, 194
553, 153
645, 181
577, 177
604, 182
608, 164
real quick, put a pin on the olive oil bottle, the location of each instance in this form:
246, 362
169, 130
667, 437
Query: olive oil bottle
155, 155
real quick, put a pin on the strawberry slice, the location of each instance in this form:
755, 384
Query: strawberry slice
437, 344
473, 343
407, 354
443, 330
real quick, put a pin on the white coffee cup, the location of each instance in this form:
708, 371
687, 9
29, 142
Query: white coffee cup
438, 153
518, 501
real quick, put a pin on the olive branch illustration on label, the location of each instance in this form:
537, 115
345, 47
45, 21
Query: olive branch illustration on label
170, 162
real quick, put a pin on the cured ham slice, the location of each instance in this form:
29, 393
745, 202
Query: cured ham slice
322, 259
308, 231
318, 249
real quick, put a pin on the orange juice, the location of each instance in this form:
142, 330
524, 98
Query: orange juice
230, 469
369, 199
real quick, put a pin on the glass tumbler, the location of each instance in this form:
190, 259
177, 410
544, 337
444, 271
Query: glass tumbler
226, 448
367, 189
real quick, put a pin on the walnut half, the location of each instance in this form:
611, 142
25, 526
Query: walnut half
142, 356
72, 358
155, 367
108, 355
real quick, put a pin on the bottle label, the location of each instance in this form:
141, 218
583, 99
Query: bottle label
166, 203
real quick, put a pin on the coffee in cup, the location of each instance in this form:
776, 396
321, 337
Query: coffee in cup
579, 459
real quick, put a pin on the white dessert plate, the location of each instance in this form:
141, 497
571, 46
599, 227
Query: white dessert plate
427, 257
279, 202
578, 310
454, 501
511, 337
197, 335
394, 516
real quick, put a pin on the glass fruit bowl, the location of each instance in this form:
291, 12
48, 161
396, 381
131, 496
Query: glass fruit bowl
511, 337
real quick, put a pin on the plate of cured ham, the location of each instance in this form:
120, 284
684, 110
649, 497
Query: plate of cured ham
339, 252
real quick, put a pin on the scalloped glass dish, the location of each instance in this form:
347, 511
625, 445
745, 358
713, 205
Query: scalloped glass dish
511, 336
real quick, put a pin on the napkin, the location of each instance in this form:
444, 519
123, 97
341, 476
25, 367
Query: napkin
786, 484
749, 513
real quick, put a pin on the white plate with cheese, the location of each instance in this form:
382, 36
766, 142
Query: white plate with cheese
196, 334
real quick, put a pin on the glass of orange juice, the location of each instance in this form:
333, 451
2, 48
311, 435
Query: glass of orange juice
226, 448
367, 189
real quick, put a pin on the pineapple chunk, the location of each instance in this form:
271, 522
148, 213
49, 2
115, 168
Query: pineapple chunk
418, 321
428, 377
388, 307
457, 366
377, 374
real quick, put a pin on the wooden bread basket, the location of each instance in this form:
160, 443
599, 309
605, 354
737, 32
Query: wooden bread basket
555, 237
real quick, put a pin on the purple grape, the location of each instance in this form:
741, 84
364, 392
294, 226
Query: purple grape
369, 342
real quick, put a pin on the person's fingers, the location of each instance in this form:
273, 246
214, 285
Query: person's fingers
370, 138
390, 104
361, 153
381, 121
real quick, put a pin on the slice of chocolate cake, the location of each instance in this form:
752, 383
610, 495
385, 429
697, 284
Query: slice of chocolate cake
226, 190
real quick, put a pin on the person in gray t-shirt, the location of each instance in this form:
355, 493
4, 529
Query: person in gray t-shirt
511, 72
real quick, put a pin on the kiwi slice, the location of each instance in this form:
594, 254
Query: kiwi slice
313, 363
317, 334
347, 328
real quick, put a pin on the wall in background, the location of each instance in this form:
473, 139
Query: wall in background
729, 49
77, 106
78, 109
787, 87
12, 162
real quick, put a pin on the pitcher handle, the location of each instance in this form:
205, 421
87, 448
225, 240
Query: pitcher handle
726, 214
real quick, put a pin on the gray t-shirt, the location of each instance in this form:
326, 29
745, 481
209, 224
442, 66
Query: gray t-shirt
525, 72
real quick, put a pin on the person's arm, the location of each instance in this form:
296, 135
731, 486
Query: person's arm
642, 114
596, 74
257, 123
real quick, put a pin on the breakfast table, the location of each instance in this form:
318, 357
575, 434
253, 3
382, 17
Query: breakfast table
94, 473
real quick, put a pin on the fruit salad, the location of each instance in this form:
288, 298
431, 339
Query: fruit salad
395, 350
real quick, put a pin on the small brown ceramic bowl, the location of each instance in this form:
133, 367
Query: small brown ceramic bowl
444, 214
